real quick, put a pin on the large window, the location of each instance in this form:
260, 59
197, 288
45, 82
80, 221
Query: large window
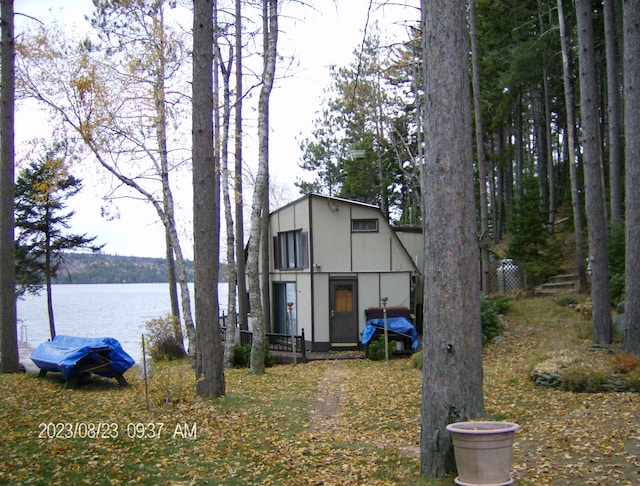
290, 249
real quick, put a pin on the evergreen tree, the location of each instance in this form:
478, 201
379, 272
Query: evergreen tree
531, 244
41, 222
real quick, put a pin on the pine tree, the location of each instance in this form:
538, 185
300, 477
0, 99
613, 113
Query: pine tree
41, 222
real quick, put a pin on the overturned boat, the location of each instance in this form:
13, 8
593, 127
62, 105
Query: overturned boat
76, 356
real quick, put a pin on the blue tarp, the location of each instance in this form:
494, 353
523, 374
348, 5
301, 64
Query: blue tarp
400, 325
71, 356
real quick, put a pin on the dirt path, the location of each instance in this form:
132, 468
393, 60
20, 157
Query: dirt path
325, 414
326, 417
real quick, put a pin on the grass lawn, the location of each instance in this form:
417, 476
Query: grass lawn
260, 433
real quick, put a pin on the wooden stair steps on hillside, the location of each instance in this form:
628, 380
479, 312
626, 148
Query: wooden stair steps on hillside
566, 282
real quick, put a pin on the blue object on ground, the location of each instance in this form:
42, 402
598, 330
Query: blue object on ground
399, 325
72, 356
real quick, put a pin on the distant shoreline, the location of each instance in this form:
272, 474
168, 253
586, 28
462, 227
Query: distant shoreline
98, 268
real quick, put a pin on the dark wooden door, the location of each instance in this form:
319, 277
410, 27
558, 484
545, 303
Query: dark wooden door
343, 323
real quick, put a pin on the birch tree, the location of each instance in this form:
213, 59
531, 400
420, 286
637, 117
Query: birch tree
9, 361
222, 132
631, 29
114, 115
596, 210
452, 341
260, 190
152, 55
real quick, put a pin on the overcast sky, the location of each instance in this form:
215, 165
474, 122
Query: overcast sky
315, 37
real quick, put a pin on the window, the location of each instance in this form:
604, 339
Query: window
290, 249
364, 225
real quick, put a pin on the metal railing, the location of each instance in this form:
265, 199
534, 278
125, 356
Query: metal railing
277, 342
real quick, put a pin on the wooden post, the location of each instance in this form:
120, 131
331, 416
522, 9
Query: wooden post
144, 366
293, 336
386, 334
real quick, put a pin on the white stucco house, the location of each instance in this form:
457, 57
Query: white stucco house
332, 259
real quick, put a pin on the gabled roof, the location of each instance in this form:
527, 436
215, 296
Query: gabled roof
328, 198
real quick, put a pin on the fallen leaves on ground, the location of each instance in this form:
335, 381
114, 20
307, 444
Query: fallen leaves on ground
269, 429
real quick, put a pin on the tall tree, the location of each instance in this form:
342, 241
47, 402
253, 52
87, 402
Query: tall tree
260, 190
206, 208
138, 31
482, 161
452, 341
9, 361
241, 280
42, 189
570, 136
222, 130
596, 210
632, 175
613, 103
125, 134
363, 146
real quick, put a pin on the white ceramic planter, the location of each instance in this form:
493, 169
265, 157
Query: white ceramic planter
484, 452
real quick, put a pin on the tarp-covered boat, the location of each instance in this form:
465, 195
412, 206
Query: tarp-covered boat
398, 325
73, 356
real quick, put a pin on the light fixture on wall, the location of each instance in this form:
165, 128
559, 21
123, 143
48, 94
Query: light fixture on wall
316, 267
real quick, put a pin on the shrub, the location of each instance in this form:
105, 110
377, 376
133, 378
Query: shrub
582, 379
490, 310
172, 384
616, 284
566, 300
242, 356
163, 344
625, 363
632, 380
416, 360
376, 349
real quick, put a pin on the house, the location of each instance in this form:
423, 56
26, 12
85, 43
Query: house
331, 259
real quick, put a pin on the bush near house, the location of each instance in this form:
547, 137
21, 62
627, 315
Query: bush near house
242, 356
376, 349
492, 323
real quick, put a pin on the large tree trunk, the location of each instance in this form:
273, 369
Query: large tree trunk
452, 383
260, 190
241, 279
615, 175
596, 210
206, 211
482, 162
571, 149
632, 178
9, 361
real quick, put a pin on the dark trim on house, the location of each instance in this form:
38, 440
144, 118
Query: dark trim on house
312, 277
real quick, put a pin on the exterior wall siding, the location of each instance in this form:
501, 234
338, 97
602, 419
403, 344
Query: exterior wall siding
378, 260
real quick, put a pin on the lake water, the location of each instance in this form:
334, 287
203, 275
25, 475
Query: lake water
112, 310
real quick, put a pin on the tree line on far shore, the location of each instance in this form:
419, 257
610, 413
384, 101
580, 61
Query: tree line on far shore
92, 268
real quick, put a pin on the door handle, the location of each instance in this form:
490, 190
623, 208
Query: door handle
332, 313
